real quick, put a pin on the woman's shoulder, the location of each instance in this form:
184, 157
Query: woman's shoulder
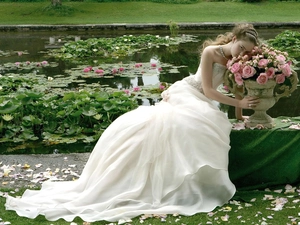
210, 51
210, 56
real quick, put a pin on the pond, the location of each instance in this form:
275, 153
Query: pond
184, 58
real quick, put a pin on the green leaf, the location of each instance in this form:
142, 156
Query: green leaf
9, 107
108, 106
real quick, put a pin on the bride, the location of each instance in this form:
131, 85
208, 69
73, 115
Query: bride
162, 159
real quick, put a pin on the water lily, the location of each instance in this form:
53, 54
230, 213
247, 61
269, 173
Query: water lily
44, 63
98, 116
137, 65
87, 69
127, 92
114, 71
7, 117
99, 71
136, 88
161, 87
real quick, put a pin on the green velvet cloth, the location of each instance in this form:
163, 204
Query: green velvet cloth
267, 157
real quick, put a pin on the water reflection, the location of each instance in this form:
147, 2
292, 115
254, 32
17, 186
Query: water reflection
186, 55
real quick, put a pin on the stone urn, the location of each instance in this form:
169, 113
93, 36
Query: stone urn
265, 92
268, 93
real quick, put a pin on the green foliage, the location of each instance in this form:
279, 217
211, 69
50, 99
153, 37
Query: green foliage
173, 26
28, 114
114, 47
289, 41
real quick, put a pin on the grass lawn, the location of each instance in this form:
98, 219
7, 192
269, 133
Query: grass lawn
278, 206
16, 13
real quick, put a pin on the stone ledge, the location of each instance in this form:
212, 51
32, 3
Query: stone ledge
146, 26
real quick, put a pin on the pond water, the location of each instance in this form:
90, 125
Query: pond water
185, 56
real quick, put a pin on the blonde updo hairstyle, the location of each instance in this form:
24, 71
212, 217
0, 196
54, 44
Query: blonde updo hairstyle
241, 31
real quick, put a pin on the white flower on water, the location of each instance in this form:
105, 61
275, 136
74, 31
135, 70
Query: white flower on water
98, 116
7, 117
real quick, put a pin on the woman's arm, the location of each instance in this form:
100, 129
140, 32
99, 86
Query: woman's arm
208, 58
238, 111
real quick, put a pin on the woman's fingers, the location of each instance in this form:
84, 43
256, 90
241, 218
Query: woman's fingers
252, 102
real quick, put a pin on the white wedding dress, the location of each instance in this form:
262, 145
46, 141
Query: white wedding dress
162, 159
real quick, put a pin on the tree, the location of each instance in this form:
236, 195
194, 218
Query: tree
56, 3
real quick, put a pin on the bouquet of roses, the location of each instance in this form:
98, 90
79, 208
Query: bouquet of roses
262, 64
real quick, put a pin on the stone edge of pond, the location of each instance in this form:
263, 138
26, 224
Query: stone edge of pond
146, 26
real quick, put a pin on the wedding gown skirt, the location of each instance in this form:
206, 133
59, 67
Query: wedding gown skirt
163, 159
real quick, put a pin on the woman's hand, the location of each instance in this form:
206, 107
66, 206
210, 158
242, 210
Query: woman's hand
243, 118
248, 102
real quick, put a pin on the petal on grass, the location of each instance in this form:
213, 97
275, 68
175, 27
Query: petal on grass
225, 218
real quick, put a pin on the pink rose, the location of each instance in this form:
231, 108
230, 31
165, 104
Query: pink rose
248, 71
235, 68
286, 70
262, 78
281, 58
272, 53
245, 58
263, 63
280, 78
270, 72
238, 79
